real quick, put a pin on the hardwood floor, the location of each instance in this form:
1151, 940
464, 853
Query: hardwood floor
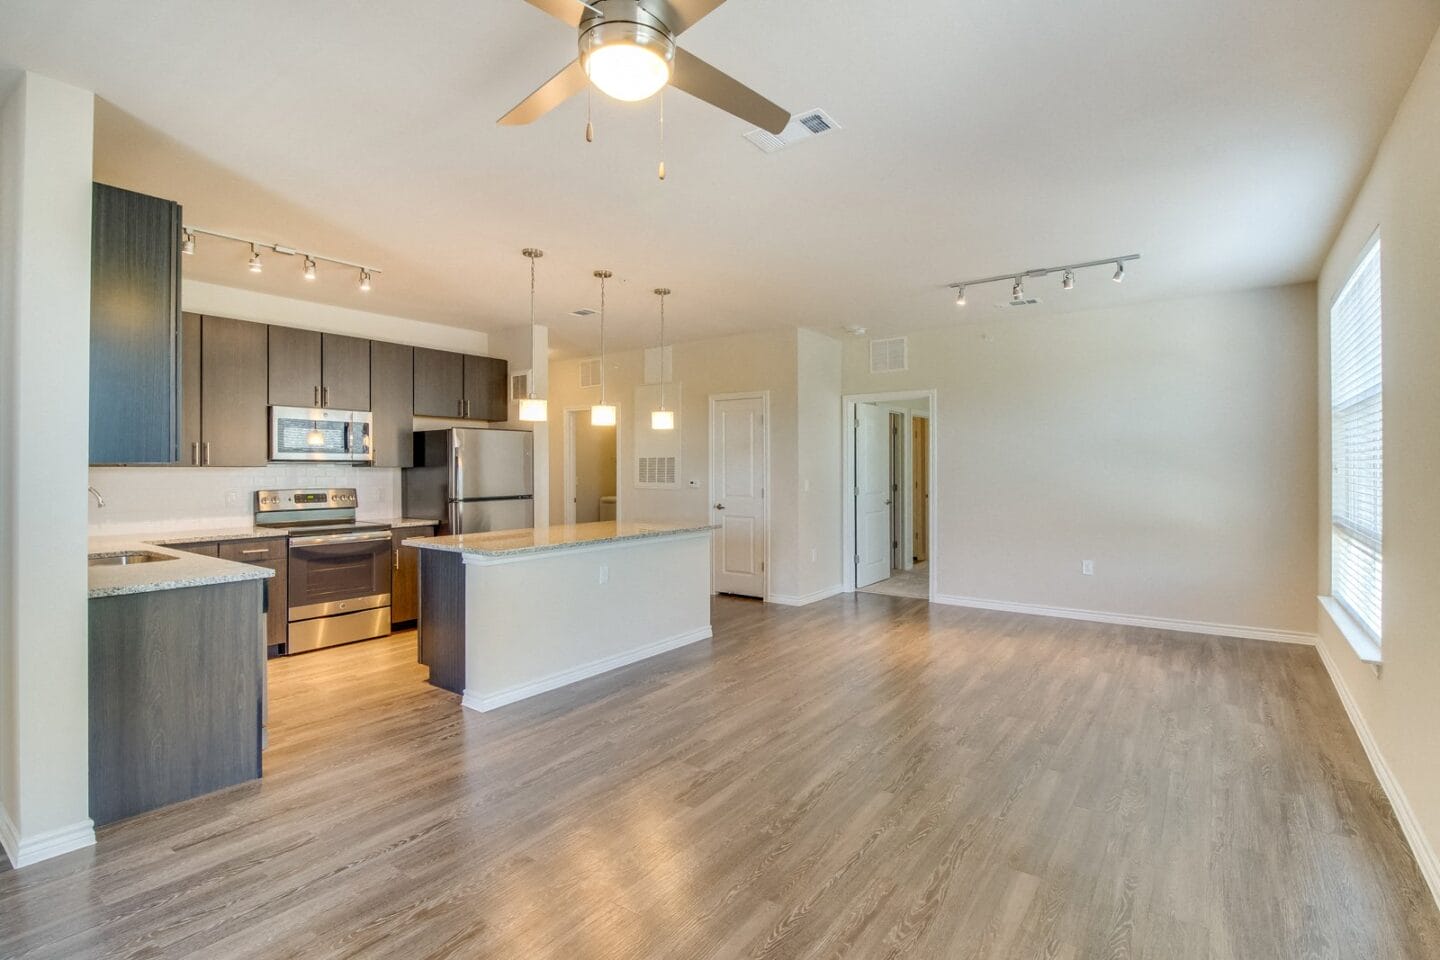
867, 777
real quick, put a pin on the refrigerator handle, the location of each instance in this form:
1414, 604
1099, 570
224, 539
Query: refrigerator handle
455, 514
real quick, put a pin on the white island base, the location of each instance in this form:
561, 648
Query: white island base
519, 613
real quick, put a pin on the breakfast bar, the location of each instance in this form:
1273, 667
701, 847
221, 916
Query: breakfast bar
514, 613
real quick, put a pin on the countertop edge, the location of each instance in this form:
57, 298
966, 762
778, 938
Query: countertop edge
195, 571
480, 554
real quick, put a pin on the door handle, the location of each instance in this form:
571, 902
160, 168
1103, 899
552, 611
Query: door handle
719, 506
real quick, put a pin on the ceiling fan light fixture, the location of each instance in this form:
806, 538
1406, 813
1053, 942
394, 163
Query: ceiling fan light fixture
627, 61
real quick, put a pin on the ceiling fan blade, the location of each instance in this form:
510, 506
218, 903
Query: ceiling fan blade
686, 13
566, 11
699, 79
551, 94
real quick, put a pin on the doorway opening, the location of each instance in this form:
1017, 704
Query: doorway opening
889, 475
592, 469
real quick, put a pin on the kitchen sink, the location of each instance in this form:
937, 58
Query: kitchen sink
127, 558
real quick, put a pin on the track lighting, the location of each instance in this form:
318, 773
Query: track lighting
364, 280
309, 269
187, 246
255, 265
1066, 270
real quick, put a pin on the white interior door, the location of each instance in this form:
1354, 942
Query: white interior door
737, 481
872, 494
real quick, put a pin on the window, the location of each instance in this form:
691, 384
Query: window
1356, 462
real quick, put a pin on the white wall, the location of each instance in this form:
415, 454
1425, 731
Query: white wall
1399, 710
46, 129
818, 484
1172, 443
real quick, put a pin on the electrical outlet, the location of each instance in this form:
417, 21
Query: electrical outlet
232, 498
1087, 567
604, 573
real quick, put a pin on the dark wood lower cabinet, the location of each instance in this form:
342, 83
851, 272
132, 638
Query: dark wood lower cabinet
272, 555
405, 581
442, 618
177, 686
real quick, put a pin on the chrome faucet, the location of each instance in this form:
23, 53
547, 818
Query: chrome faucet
99, 500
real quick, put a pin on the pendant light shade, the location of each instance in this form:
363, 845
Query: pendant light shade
662, 419
533, 409
602, 414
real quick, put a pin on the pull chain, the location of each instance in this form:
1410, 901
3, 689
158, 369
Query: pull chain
662, 133
589, 103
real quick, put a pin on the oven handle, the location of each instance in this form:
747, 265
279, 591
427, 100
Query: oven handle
366, 537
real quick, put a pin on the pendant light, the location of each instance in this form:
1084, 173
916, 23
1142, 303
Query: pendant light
602, 414
662, 419
532, 408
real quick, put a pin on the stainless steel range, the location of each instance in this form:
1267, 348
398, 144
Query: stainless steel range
339, 569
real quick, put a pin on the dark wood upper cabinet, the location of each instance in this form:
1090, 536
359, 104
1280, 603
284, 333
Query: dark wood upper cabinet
487, 389
190, 409
344, 372
392, 397
294, 367
439, 383
234, 423
134, 327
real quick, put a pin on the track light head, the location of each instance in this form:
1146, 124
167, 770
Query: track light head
255, 265
1068, 281
960, 297
309, 269
188, 246
364, 280
1017, 291
1119, 276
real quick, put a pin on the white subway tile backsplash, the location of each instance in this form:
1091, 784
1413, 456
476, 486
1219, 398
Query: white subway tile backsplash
151, 499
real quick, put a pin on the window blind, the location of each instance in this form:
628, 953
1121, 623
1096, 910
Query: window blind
1356, 461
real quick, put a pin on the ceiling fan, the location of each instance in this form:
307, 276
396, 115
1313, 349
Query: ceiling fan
627, 49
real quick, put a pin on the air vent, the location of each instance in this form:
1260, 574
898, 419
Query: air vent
888, 356
1027, 302
590, 373
802, 126
583, 312
655, 471
520, 385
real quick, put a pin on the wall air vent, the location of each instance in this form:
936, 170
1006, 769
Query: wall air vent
590, 372
802, 126
889, 356
655, 471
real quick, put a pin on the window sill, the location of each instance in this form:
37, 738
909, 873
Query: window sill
1366, 649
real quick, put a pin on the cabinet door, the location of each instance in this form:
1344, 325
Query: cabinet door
439, 383
392, 398
487, 389
405, 580
190, 438
344, 372
134, 327
234, 422
294, 367
270, 554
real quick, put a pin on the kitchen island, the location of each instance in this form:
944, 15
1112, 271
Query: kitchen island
515, 613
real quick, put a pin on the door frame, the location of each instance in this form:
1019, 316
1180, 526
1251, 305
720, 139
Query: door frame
764, 397
567, 465
847, 478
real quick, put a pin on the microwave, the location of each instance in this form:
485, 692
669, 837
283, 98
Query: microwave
301, 433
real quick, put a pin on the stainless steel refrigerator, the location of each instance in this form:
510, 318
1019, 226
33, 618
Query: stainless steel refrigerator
472, 481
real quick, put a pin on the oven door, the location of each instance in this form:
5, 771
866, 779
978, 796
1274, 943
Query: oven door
301, 433
338, 573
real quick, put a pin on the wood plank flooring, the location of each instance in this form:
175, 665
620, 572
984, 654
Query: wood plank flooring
868, 777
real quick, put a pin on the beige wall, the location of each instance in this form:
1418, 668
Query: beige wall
46, 129
1401, 706
749, 362
1172, 443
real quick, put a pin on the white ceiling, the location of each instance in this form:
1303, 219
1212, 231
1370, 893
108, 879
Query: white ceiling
1222, 140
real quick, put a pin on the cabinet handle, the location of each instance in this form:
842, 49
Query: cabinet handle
324, 396
317, 395
397, 558
251, 553
207, 453
195, 454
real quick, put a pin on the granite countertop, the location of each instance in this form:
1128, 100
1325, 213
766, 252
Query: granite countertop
186, 570
512, 543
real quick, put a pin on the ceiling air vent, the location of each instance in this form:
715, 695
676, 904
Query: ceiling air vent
802, 126
888, 356
590, 372
1027, 302
583, 312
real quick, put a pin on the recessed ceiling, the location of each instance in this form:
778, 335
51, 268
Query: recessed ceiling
1221, 140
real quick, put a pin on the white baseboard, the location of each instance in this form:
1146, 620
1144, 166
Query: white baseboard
1130, 620
789, 600
43, 846
1425, 854
583, 672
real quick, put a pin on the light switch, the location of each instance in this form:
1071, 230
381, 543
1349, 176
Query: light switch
1087, 567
